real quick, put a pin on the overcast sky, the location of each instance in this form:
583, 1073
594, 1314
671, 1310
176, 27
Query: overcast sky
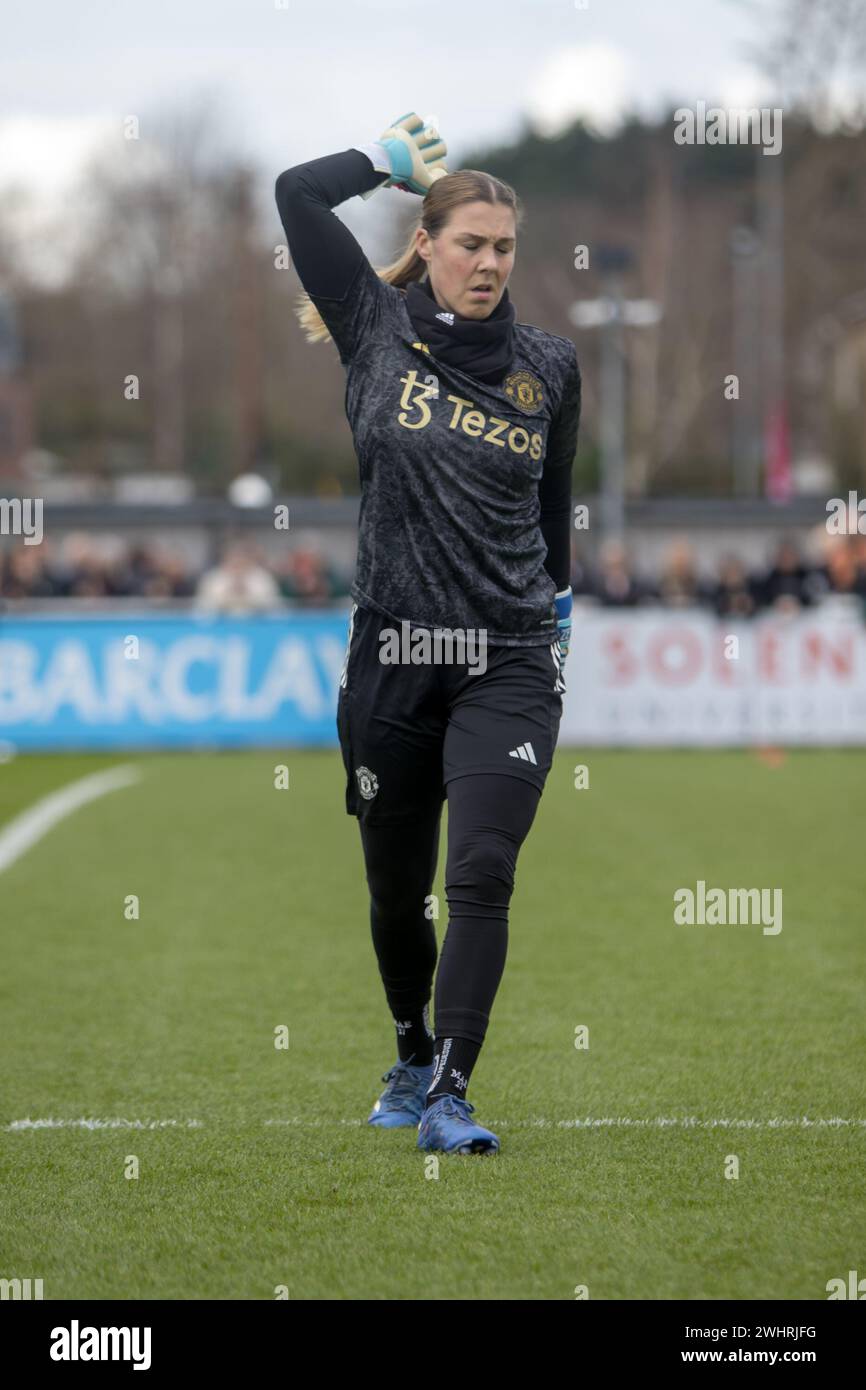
292, 80
302, 80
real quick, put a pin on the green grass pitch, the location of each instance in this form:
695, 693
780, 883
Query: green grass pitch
254, 914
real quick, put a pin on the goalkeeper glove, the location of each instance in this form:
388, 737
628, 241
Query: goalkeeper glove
563, 604
413, 156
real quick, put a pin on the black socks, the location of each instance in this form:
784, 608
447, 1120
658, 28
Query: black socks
454, 1059
415, 1038
400, 863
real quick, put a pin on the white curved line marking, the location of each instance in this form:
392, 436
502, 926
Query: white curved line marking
28, 828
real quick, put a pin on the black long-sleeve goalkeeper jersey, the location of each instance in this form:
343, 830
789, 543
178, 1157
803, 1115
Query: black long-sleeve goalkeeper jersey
465, 508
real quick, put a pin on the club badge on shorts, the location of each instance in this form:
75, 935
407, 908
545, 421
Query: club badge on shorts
368, 783
525, 391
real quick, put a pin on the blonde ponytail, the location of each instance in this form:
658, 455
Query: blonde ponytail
409, 266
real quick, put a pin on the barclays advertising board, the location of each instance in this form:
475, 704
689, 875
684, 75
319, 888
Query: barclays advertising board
170, 681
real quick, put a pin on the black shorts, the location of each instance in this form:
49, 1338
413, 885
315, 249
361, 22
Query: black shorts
406, 731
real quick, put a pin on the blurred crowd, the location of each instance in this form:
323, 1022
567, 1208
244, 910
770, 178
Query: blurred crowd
789, 581
84, 567
244, 580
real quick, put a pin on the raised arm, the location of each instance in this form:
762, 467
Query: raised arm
323, 250
333, 269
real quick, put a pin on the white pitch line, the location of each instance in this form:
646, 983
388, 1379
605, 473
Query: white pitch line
540, 1122
625, 1122
102, 1124
25, 830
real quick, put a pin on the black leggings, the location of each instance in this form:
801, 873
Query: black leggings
489, 817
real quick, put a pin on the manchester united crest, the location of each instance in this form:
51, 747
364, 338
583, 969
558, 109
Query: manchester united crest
525, 391
368, 783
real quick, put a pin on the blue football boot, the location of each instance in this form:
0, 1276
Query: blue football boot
402, 1100
446, 1126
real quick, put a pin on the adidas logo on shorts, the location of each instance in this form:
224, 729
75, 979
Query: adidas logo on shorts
524, 751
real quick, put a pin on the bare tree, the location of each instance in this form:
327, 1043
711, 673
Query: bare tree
162, 208
807, 48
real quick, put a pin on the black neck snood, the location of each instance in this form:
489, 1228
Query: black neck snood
483, 348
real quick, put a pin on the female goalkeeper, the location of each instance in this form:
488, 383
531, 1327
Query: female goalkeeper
465, 424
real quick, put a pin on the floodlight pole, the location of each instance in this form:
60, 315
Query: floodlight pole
610, 314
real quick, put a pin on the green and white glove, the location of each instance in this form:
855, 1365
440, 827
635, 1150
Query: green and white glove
563, 603
411, 153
